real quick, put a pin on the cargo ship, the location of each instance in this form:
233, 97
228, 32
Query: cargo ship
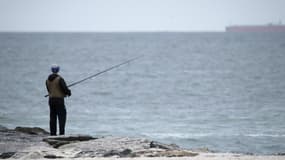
256, 28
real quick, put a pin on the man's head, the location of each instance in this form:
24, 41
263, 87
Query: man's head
54, 68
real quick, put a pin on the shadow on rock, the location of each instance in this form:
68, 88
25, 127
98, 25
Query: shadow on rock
32, 130
57, 141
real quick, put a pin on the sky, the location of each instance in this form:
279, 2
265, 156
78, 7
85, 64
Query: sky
136, 15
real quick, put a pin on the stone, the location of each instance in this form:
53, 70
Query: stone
281, 154
32, 130
2, 128
154, 144
111, 153
7, 155
204, 150
14, 141
177, 153
33, 143
57, 141
52, 156
71, 138
124, 153
87, 154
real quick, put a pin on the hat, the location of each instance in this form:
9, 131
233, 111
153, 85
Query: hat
54, 68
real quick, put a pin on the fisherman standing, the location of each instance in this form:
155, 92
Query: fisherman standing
57, 90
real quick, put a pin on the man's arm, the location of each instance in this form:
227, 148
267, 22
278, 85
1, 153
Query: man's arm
47, 86
64, 87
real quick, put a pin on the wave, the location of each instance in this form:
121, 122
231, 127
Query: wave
265, 135
200, 135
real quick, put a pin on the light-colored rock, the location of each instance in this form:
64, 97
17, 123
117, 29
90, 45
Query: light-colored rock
13, 141
123, 147
106, 146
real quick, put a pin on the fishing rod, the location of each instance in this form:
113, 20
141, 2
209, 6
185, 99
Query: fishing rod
106, 70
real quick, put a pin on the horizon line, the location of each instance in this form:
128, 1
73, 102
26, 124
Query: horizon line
109, 31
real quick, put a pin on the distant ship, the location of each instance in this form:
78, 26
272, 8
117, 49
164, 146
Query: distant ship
256, 28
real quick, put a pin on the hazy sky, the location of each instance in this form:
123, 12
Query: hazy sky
136, 15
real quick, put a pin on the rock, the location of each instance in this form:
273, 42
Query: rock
176, 153
204, 150
34, 143
123, 147
14, 141
108, 147
87, 154
71, 138
57, 141
2, 128
112, 153
33, 131
39, 152
281, 154
7, 155
51, 156
154, 144
124, 153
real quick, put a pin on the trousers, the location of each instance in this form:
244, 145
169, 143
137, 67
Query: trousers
57, 111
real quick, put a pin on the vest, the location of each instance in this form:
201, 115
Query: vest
54, 88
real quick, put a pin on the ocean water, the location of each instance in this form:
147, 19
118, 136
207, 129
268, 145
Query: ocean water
223, 91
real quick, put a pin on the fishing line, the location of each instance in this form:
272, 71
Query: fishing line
99, 73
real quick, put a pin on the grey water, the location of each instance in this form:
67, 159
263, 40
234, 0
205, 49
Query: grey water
222, 91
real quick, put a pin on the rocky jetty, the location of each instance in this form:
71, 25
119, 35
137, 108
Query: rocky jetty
35, 143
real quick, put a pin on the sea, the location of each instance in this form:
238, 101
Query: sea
216, 90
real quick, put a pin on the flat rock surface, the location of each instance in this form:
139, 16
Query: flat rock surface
13, 141
35, 143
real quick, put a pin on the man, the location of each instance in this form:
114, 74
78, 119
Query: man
57, 90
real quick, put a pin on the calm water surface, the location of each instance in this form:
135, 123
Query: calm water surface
222, 91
